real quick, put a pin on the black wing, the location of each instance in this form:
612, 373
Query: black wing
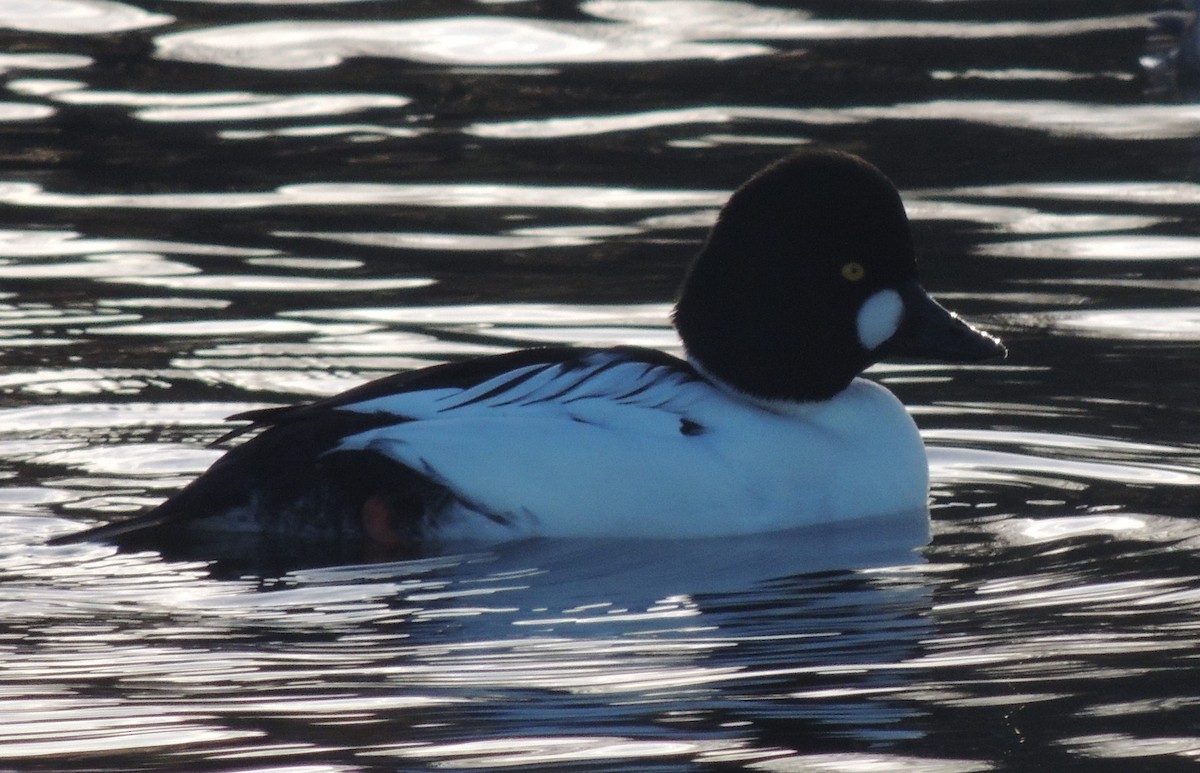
450, 375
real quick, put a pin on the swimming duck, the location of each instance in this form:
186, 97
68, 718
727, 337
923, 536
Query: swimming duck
807, 278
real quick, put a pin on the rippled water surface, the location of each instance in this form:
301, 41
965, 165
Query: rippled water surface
213, 205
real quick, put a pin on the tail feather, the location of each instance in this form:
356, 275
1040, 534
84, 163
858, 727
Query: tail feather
283, 479
111, 532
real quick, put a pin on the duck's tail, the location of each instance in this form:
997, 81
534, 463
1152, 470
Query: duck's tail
283, 479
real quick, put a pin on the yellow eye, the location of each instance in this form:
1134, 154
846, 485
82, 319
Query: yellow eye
853, 271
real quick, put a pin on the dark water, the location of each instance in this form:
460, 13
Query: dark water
208, 206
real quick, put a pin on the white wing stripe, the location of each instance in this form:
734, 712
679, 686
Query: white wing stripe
604, 376
495, 387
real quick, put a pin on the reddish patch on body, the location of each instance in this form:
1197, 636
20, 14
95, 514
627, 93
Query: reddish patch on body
378, 522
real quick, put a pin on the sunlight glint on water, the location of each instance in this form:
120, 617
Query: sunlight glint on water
215, 206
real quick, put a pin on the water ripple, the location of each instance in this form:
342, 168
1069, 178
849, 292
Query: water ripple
1114, 247
963, 464
211, 106
20, 111
46, 61
466, 41
590, 125
1059, 119
563, 750
37, 243
187, 240
1153, 193
635, 32
77, 17
1023, 220
375, 194
246, 283
1122, 324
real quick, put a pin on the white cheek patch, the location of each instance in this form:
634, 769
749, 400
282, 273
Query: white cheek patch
879, 318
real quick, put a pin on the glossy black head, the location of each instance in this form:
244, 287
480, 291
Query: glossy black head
807, 278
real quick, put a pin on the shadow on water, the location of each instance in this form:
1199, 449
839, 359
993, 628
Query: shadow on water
701, 565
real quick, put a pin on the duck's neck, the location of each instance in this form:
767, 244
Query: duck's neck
777, 405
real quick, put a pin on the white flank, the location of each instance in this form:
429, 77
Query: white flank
629, 448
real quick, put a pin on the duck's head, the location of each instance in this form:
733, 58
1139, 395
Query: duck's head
809, 277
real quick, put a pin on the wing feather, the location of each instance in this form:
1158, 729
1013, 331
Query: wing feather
526, 391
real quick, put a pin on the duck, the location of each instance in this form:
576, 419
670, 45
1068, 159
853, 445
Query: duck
807, 278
